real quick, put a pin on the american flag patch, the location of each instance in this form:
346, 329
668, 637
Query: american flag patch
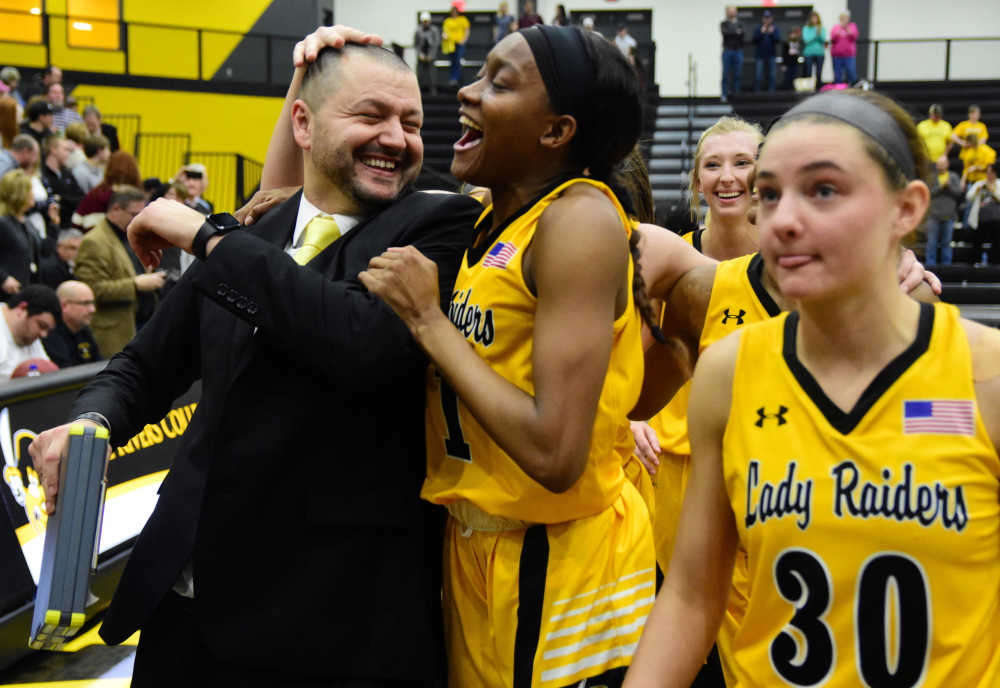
500, 255
939, 417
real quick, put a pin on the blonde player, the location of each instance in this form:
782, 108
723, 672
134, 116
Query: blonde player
848, 448
723, 167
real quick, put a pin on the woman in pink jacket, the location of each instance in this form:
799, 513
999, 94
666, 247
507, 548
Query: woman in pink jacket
844, 48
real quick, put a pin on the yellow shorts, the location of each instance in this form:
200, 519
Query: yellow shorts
637, 474
669, 484
548, 606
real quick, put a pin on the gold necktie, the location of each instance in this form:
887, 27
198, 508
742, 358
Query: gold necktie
320, 232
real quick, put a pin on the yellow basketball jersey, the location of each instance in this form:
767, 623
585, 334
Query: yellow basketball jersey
738, 298
494, 308
694, 238
873, 537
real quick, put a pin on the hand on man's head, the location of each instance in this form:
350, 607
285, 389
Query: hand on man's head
309, 47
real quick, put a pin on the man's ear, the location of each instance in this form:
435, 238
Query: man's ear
560, 132
302, 121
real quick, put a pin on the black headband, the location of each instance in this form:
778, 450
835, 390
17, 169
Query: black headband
568, 78
863, 116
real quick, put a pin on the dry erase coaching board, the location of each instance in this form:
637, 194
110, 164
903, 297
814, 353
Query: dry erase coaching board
27, 407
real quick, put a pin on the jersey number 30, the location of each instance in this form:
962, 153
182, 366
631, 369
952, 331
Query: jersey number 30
455, 445
891, 640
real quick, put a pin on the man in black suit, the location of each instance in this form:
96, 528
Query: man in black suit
289, 545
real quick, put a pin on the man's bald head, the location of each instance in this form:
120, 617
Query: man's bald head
77, 302
321, 76
72, 289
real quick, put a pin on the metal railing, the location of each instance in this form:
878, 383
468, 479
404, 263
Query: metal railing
161, 155
933, 59
264, 59
128, 127
232, 178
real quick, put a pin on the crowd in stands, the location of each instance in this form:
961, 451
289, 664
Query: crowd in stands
801, 53
973, 196
454, 33
74, 290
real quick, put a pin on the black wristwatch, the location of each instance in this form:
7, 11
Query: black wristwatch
214, 225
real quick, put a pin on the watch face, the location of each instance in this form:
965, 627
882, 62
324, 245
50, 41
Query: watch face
224, 221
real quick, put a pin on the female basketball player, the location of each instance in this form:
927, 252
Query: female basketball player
848, 448
549, 559
723, 165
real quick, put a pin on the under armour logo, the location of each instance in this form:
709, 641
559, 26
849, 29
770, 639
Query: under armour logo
762, 416
738, 317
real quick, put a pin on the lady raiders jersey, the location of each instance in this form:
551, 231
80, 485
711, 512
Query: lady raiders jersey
494, 308
873, 536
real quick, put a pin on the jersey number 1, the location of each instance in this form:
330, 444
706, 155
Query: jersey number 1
455, 445
891, 647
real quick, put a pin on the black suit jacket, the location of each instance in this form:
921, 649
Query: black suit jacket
18, 251
295, 491
110, 132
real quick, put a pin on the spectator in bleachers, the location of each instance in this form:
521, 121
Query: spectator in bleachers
122, 170
23, 154
33, 313
151, 185
195, 178
43, 218
55, 269
39, 85
814, 48
426, 40
560, 19
946, 192
12, 77
844, 50
8, 121
732, 53
973, 125
62, 116
39, 124
502, 23
790, 56
976, 157
19, 246
92, 118
454, 34
766, 38
106, 263
76, 133
529, 17
71, 342
935, 133
90, 172
984, 214
626, 43
588, 23
58, 179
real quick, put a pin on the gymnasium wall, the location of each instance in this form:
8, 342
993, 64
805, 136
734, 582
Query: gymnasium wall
931, 19
152, 50
217, 122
